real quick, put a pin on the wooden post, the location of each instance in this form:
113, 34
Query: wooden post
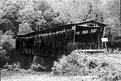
103, 32
102, 35
90, 36
74, 28
98, 38
105, 47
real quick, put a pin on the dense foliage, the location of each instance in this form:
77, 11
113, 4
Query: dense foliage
43, 14
105, 11
78, 63
7, 43
38, 14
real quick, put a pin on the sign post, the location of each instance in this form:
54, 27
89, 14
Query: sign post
104, 40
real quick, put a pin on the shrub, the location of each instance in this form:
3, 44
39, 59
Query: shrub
8, 44
108, 74
3, 58
78, 63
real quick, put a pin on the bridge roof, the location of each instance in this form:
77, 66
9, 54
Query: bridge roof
67, 26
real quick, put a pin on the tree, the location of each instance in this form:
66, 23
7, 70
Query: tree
79, 10
37, 13
9, 16
24, 29
113, 18
104, 11
44, 14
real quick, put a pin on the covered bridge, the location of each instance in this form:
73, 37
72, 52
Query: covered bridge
53, 42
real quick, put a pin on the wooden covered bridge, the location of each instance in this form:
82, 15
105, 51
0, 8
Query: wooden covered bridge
53, 42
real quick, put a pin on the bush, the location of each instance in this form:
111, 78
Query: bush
3, 58
8, 44
109, 74
78, 63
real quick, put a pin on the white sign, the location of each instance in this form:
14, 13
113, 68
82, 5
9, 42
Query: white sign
104, 39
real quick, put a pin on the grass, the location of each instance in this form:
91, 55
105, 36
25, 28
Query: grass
44, 76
